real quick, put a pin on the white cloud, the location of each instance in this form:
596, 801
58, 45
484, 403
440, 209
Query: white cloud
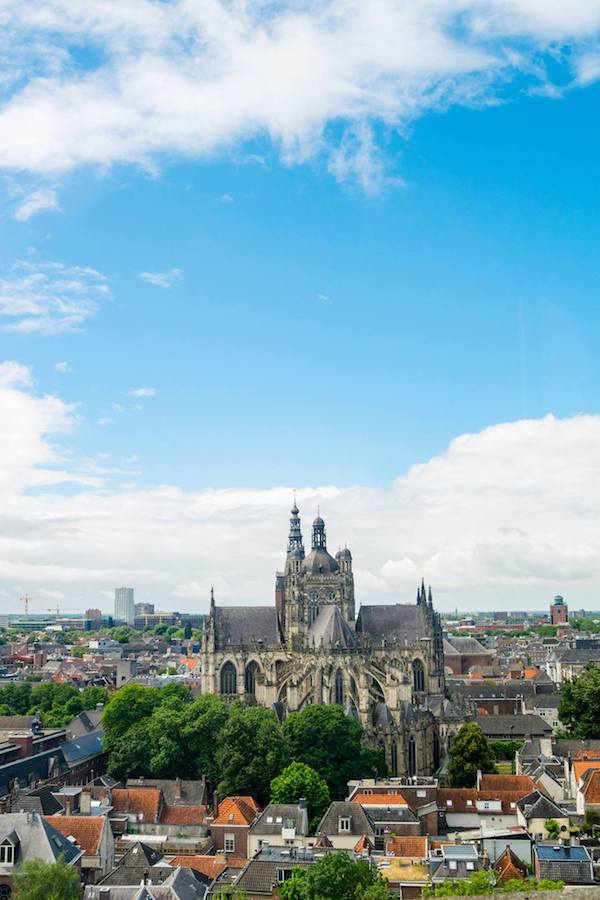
314, 78
43, 199
504, 518
144, 392
50, 298
225, 198
63, 367
105, 420
162, 279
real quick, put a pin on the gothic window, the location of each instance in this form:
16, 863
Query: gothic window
436, 751
353, 686
250, 677
412, 756
418, 675
394, 759
228, 679
339, 687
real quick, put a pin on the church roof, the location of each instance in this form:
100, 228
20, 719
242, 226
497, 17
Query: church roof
331, 629
392, 622
320, 562
244, 625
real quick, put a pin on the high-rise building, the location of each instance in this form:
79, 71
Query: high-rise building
144, 609
93, 614
559, 611
124, 605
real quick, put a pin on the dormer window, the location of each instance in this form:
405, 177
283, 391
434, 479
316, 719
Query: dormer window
344, 824
7, 854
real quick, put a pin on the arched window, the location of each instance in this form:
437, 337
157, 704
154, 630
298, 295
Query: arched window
339, 687
418, 675
412, 756
228, 679
436, 751
250, 677
394, 759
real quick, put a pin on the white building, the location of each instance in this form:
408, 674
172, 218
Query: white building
124, 605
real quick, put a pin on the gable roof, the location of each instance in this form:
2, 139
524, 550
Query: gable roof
408, 846
507, 783
508, 866
237, 626
581, 766
275, 816
38, 839
87, 830
360, 821
236, 811
392, 622
537, 806
183, 815
140, 801
590, 787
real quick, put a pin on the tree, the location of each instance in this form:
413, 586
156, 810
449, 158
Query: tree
553, 829
187, 631
251, 751
330, 742
299, 780
204, 719
336, 877
129, 755
469, 752
579, 707
37, 880
131, 704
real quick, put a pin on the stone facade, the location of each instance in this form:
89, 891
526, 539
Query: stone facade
384, 666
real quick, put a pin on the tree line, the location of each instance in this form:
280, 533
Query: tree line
166, 733
56, 704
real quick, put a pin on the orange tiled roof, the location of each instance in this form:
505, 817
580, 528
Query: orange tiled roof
582, 765
587, 754
141, 801
531, 672
183, 815
362, 844
508, 866
591, 788
206, 865
236, 811
507, 783
87, 830
395, 799
407, 846
189, 662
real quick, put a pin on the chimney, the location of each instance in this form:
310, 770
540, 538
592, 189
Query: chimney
178, 788
216, 803
85, 803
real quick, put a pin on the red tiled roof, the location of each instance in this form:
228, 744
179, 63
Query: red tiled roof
591, 787
87, 830
362, 844
141, 801
507, 783
364, 799
407, 846
183, 815
206, 865
508, 866
236, 811
582, 765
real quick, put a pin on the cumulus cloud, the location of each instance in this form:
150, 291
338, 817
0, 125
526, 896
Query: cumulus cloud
50, 298
313, 78
63, 367
144, 392
43, 199
504, 518
162, 279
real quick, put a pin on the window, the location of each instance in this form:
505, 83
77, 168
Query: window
394, 759
7, 854
339, 687
412, 756
418, 675
469, 803
448, 802
344, 823
470, 866
513, 805
230, 843
250, 677
452, 865
283, 874
228, 679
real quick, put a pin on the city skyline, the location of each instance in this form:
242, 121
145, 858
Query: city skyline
367, 272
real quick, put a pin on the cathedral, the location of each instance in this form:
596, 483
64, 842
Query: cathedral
385, 666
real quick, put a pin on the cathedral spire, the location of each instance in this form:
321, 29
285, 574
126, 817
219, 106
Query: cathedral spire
319, 540
295, 535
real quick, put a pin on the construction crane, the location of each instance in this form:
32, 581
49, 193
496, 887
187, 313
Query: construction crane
56, 609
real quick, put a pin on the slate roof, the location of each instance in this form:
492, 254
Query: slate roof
260, 875
330, 629
193, 792
569, 864
41, 800
466, 645
537, 806
360, 820
37, 838
81, 748
392, 622
286, 812
86, 721
237, 626
181, 884
529, 724
572, 655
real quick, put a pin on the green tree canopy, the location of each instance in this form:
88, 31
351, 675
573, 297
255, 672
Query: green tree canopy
330, 742
469, 752
131, 704
579, 707
251, 751
37, 880
336, 877
299, 780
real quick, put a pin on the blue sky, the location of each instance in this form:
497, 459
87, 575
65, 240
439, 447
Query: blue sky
323, 305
